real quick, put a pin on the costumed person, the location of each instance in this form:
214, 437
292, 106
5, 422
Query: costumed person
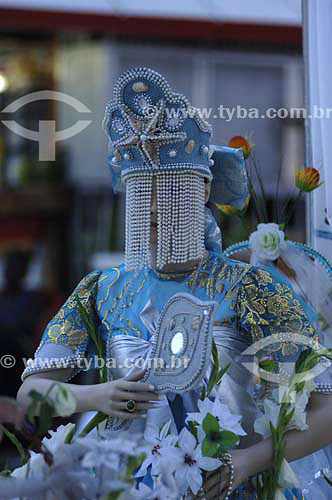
162, 158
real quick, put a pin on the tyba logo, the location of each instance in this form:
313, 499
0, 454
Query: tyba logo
286, 369
46, 136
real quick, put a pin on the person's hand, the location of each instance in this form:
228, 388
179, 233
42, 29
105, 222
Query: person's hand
111, 398
216, 483
10, 413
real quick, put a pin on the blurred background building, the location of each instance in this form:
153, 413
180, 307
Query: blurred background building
59, 218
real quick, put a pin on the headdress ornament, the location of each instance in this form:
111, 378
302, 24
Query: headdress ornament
154, 131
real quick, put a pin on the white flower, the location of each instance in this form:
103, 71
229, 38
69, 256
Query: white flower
267, 241
143, 492
101, 454
309, 385
187, 462
157, 439
299, 418
57, 437
33, 468
16, 489
288, 477
271, 414
65, 403
279, 495
299, 404
227, 420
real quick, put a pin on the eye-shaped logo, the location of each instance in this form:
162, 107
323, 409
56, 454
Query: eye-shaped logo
47, 136
286, 369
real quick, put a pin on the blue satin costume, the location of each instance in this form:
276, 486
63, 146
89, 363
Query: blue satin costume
254, 302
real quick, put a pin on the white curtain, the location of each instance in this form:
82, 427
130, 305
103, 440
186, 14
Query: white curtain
317, 33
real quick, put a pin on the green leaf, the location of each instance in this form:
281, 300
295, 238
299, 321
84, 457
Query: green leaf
209, 448
96, 420
281, 227
328, 480
70, 435
192, 426
36, 396
13, 439
215, 356
222, 373
96, 339
114, 496
210, 424
5, 473
228, 439
31, 411
133, 464
215, 368
45, 421
267, 364
299, 387
287, 418
302, 360
203, 393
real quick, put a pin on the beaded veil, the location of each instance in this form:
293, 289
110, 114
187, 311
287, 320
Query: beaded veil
158, 139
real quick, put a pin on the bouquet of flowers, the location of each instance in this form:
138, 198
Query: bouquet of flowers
284, 411
101, 464
201, 446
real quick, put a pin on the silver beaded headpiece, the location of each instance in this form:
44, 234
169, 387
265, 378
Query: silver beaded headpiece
156, 134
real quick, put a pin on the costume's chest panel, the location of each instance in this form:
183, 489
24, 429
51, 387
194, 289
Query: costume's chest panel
133, 306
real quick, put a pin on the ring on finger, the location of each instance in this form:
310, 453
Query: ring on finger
131, 405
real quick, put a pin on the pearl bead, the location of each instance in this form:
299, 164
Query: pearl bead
139, 87
172, 153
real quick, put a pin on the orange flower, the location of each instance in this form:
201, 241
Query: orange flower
238, 141
307, 179
230, 210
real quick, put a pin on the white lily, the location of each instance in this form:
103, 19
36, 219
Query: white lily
279, 495
187, 462
65, 403
101, 454
271, 414
288, 477
143, 492
57, 437
35, 466
227, 420
272, 410
156, 439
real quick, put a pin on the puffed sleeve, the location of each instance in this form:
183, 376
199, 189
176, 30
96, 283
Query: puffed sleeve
267, 305
65, 340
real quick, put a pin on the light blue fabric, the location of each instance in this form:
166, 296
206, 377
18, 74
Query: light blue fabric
213, 238
230, 181
117, 300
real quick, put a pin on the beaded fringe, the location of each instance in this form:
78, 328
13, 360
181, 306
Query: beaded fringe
180, 219
138, 208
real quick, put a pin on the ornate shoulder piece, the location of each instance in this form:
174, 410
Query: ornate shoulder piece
183, 346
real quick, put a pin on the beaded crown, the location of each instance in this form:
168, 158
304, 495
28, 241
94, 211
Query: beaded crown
153, 129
